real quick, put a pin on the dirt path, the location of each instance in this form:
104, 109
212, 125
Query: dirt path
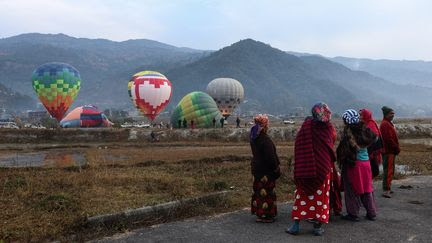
404, 218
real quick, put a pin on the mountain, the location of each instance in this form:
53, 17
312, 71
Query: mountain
10, 100
402, 72
276, 81
105, 66
370, 87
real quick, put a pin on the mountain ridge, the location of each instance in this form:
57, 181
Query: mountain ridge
293, 80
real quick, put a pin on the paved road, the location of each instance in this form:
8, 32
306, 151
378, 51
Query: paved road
407, 217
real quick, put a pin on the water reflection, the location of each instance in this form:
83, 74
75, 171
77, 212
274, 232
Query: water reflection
424, 141
43, 159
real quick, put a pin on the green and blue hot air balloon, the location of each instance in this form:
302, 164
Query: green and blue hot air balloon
199, 107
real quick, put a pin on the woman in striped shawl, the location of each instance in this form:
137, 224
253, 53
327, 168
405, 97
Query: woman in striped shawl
314, 158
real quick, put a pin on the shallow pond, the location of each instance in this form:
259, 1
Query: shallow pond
43, 159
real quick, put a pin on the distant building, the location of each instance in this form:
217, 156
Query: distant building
5, 117
37, 115
299, 111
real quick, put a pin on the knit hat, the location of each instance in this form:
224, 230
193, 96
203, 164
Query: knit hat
386, 110
351, 116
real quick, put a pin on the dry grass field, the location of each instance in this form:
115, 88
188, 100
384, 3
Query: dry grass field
52, 203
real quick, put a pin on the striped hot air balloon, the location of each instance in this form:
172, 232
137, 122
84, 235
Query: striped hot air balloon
228, 93
85, 116
199, 107
150, 92
57, 85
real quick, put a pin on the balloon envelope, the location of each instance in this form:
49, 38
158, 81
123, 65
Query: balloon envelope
85, 116
228, 93
150, 92
199, 107
57, 85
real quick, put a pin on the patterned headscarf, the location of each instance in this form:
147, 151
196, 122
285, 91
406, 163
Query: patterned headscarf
261, 122
351, 116
321, 112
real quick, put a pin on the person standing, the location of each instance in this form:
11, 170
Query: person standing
313, 161
375, 149
353, 158
184, 123
214, 122
265, 170
179, 123
192, 124
391, 149
238, 122
222, 121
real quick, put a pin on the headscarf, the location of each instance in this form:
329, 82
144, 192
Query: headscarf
321, 112
386, 110
369, 121
351, 116
261, 123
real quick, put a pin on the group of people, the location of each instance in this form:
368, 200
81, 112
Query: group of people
362, 148
183, 123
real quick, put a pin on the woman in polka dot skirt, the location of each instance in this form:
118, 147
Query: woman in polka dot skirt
314, 158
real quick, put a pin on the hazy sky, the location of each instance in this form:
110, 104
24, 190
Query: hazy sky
392, 29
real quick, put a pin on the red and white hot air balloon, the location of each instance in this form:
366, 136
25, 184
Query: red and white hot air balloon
150, 92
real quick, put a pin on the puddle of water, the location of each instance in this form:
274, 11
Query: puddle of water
44, 159
400, 169
424, 141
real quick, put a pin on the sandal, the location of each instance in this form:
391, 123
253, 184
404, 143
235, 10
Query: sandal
350, 217
261, 220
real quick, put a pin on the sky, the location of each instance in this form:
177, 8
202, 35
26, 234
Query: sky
378, 29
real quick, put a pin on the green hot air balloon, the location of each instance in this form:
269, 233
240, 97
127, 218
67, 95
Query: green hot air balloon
199, 107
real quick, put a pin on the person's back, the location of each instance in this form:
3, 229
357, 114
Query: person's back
222, 121
184, 123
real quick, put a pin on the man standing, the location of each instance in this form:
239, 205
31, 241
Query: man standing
222, 121
391, 149
238, 121
214, 122
184, 123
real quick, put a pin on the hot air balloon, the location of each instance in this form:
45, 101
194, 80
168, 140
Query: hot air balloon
150, 92
199, 107
85, 116
228, 93
57, 85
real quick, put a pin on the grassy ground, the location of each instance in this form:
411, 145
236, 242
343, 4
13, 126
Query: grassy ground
52, 203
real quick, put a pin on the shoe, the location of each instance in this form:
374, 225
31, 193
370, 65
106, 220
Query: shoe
386, 194
350, 217
371, 218
391, 192
262, 220
294, 229
318, 231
